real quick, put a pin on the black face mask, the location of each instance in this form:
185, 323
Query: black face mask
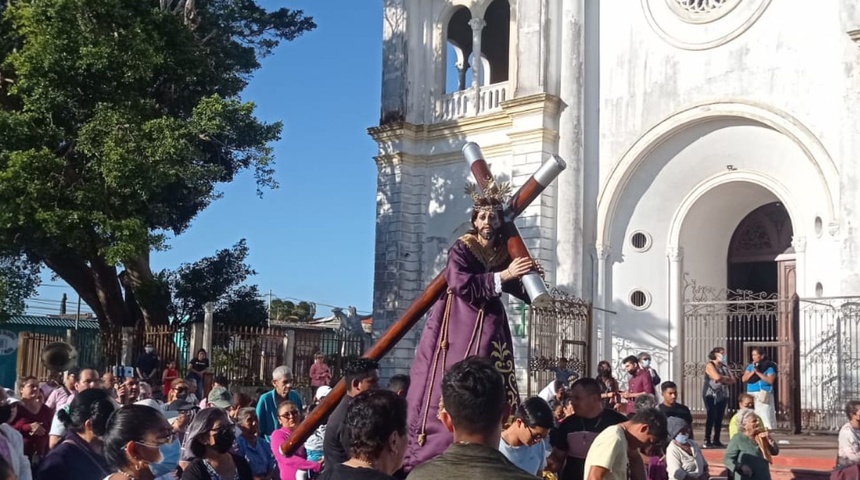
224, 440
5, 412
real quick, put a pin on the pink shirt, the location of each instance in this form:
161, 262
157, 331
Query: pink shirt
320, 375
59, 398
292, 464
640, 383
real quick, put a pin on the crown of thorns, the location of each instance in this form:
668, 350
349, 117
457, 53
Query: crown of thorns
496, 193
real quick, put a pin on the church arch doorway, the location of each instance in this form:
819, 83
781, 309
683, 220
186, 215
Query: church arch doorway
751, 309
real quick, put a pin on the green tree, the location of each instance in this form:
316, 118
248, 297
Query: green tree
219, 279
119, 119
287, 311
19, 278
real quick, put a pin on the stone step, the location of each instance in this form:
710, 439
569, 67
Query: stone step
784, 467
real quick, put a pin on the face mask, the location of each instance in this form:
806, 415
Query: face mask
224, 440
169, 459
182, 395
646, 363
148, 349
681, 438
720, 357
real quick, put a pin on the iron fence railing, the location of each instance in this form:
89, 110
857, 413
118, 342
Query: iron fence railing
830, 360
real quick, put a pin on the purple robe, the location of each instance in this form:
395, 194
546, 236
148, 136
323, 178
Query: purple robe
476, 325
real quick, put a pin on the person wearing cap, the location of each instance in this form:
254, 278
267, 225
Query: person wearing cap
314, 443
220, 397
684, 459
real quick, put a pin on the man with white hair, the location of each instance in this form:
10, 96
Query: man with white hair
267, 406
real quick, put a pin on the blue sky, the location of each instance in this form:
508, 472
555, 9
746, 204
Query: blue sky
313, 238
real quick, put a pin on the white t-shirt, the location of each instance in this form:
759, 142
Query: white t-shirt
532, 458
609, 450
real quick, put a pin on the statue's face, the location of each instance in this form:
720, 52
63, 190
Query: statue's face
487, 223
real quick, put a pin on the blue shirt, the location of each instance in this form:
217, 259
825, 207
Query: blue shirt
259, 456
267, 411
760, 385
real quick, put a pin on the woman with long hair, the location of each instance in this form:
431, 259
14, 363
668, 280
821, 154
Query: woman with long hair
715, 393
289, 416
80, 455
608, 385
209, 439
196, 368
32, 419
522, 442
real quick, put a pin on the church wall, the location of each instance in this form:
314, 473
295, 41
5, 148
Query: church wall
645, 79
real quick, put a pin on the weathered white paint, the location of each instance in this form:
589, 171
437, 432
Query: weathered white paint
671, 123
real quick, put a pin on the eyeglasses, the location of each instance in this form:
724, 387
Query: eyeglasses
289, 413
181, 389
535, 436
162, 440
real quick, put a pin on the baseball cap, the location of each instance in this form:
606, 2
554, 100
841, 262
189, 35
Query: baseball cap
322, 392
220, 397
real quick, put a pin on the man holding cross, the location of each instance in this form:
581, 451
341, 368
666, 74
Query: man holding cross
468, 319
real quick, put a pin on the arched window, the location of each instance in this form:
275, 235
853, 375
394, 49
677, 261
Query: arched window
459, 51
495, 42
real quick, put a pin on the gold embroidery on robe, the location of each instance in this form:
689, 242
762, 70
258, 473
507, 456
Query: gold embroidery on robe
491, 258
504, 363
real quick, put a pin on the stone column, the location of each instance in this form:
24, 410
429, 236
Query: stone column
676, 311
603, 292
799, 245
570, 248
477, 25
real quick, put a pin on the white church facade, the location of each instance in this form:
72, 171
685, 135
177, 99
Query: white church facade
712, 195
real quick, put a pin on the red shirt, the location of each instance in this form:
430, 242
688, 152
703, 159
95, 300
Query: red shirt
33, 443
640, 383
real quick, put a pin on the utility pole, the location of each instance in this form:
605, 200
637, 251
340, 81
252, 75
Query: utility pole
269, 315
78, 313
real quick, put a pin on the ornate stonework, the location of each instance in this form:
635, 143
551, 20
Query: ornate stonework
702, 24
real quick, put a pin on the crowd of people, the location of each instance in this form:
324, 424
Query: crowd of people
96, 427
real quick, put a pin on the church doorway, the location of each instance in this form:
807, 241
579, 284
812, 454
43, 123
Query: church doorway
760, 285
753, 310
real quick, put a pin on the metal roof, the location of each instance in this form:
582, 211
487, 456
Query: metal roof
53, 322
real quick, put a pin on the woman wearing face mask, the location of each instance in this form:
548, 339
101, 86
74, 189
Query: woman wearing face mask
137, 441
715, 393
80, 454
14, 441
209, 439
608, 385
684, 459
289, 416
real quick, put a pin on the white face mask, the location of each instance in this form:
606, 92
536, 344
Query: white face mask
148, 349
719, 357
646, 363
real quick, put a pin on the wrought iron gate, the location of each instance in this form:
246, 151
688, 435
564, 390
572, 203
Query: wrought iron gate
830, 356
563, 330
740, 321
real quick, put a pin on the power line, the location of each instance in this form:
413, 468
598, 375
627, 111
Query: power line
321, 304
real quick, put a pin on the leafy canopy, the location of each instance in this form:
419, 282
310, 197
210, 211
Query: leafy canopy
118, 119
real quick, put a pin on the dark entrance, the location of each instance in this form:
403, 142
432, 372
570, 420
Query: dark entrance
761, 270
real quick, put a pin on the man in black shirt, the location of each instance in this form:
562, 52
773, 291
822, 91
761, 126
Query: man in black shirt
573, 437
360, 375
147, 366
670, 406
